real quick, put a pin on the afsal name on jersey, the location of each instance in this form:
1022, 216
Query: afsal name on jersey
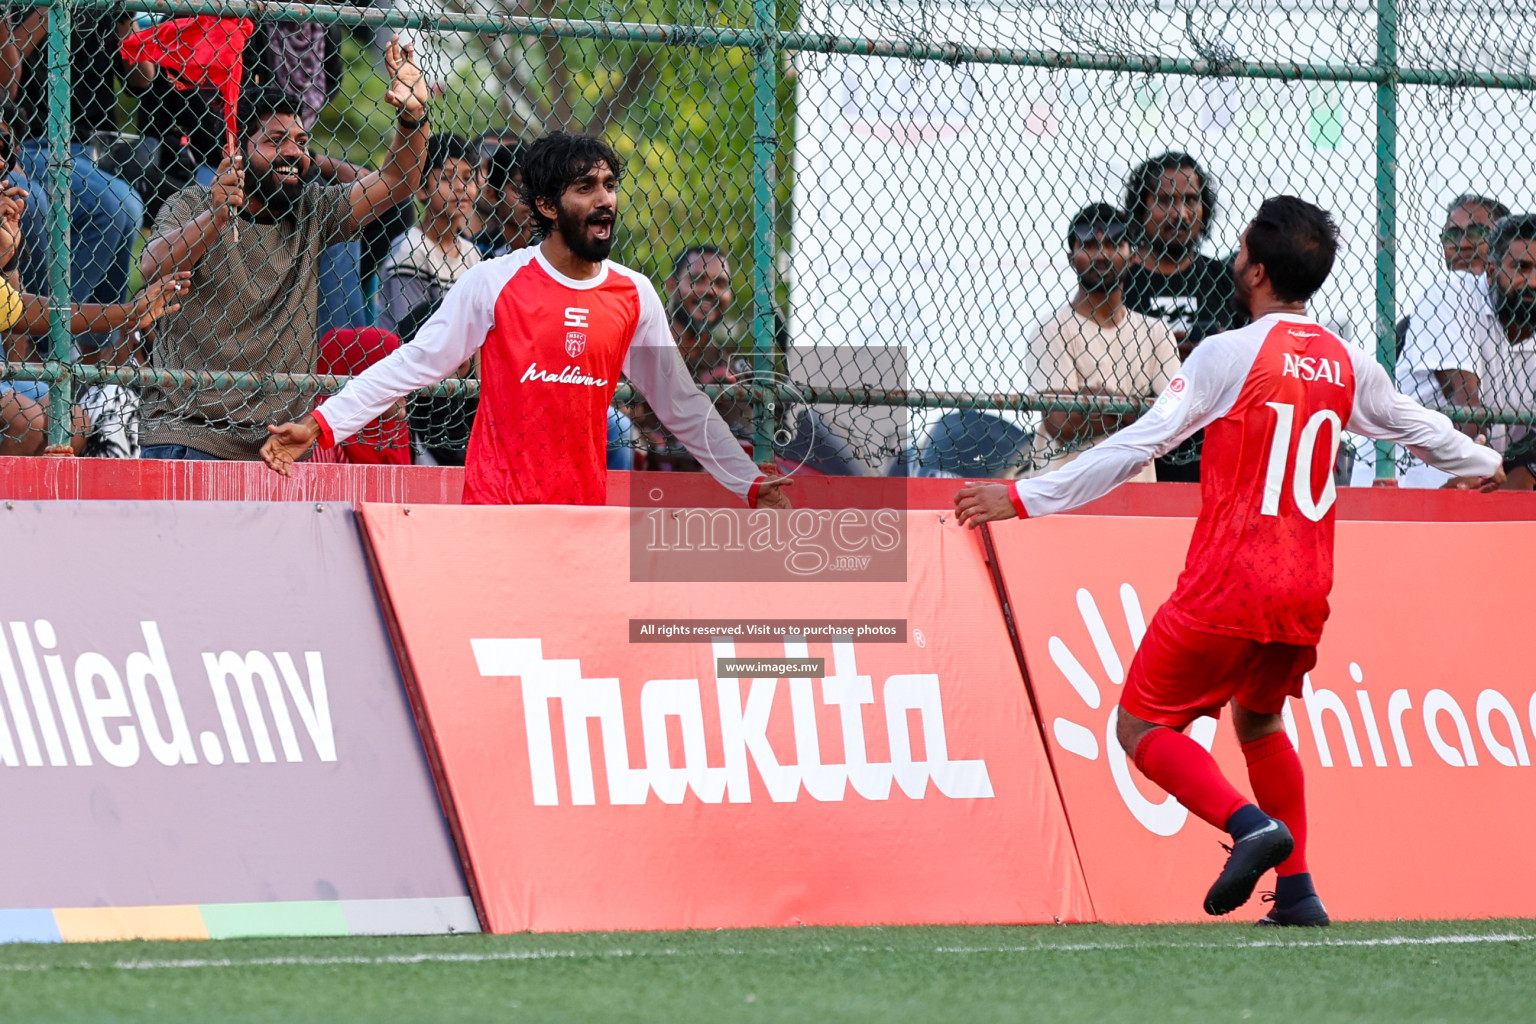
1314, 368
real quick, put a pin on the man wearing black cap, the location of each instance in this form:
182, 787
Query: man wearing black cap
1094, 346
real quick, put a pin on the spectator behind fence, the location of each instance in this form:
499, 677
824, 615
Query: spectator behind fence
1464, 238
422, 265
253, 242
507, 221
698, 294
1470, 343
1171, 200
1094, 346
24, 316
105, 213
1469, 220
303, 59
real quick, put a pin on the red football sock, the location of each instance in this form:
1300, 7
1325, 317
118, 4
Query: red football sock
1188, 771
1274, 771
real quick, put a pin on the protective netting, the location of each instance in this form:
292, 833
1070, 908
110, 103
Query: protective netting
877, 217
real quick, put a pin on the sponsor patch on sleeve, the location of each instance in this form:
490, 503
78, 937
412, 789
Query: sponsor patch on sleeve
1173, 395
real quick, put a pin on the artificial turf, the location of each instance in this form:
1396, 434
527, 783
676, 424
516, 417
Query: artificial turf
1483, 971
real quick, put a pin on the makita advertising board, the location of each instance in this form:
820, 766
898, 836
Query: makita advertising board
624, 754
203, 731
1415, 729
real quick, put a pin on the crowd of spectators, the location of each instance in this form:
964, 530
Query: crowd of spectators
1469, 341
278, 259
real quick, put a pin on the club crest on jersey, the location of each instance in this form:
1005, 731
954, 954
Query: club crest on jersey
575, 343
1314, 368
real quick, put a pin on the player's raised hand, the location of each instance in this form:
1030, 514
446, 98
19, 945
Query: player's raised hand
407, 87
770, 493
983, 503
289, 443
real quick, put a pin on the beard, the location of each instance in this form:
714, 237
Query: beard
1176, 249
1241, 293
279, 198
1100, 280
1516, 307
573, 229
699, 319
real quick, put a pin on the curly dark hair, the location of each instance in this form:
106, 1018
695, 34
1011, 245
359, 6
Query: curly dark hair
553, 162
257, 103
1143, 180
1508, 229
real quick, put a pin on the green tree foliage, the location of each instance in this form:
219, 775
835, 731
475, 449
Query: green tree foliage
681, 117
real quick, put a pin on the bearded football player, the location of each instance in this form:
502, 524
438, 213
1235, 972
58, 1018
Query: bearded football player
554, 325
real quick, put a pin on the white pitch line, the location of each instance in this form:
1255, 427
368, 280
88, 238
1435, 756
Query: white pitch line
571, 954
1390, 940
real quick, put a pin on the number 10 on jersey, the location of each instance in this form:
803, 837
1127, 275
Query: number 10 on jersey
1314, 507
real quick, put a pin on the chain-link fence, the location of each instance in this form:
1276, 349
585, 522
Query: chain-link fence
872, 225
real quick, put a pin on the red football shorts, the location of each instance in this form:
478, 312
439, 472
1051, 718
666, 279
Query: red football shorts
1180, 673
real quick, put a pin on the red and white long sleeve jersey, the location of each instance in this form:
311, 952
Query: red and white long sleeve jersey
551, 352
1273, 398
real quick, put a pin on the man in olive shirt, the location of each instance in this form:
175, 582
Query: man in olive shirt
253, 242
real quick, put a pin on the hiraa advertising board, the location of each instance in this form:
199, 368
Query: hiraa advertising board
1415, 728
203, 732
600, 783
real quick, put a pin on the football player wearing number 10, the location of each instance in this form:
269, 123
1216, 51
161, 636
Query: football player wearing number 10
1243, 623
553, 327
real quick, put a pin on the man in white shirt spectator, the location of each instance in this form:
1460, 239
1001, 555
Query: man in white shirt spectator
1470, 343
1469, 220
1094, 346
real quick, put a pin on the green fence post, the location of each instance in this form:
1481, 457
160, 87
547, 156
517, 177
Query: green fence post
1386, 209
765, 114
60, 134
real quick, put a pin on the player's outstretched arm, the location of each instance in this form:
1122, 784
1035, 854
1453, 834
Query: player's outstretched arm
453, 335
984, 503
290, 442
770, 493
1204, 389
1381, 413
655, 366
1486, 484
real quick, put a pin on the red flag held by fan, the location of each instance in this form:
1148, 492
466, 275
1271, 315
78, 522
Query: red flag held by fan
200, 51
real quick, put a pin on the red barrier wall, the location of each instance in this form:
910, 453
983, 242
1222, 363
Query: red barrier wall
154, 480
1421, 715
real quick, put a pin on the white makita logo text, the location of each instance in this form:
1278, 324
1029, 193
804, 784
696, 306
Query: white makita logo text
742, 730
1314, 368
575, 316
569, 375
